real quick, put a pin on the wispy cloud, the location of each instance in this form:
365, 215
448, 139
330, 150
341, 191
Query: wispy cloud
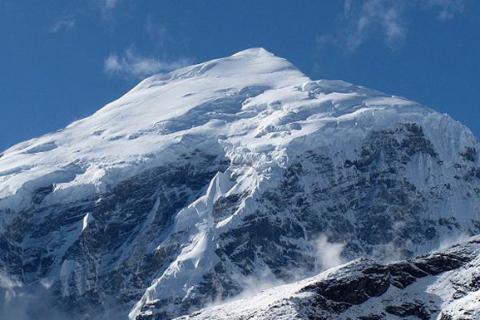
388, 20
446, 9
64, 23
109, 4
158, 33
373, 16
134, 65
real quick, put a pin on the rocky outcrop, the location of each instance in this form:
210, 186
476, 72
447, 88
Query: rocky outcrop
424, 288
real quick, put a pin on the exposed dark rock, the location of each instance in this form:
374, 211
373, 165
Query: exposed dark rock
409, 309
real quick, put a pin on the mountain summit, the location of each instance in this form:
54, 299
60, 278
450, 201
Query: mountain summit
203, 183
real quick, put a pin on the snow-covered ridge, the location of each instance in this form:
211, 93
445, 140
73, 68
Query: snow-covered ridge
438, 286
156, 114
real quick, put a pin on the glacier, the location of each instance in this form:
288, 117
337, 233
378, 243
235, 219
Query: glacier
200, 181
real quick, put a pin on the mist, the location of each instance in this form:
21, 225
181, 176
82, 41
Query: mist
37, 302
328, 254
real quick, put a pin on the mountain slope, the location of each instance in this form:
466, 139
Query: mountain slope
199, 181
442, 285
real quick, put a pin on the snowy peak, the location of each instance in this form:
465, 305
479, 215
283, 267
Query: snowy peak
137, 123
249, 63
254, 52
244, 66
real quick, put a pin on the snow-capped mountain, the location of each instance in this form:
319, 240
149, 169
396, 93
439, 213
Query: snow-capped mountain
198, 183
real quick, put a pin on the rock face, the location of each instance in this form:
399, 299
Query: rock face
199, 182
442, 285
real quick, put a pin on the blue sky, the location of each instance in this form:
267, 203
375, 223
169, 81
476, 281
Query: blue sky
63, 60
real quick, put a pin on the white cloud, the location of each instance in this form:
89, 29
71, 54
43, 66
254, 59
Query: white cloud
373, 16
65, 23
328, 254
386, 19
131, 64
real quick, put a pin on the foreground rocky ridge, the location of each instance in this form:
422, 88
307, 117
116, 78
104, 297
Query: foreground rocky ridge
443, 285
199, 182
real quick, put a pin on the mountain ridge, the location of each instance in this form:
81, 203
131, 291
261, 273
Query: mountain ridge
420, 288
